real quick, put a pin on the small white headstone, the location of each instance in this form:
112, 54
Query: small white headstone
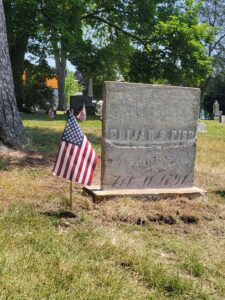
222, 119
201, 127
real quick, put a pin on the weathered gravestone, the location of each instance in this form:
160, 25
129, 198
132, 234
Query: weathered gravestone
149, 139
216, 110
222, 119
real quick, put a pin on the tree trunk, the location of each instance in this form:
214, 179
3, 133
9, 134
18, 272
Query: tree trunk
17, 55
12, 133
61, 75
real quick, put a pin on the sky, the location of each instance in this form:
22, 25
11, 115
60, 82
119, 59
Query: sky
51, 62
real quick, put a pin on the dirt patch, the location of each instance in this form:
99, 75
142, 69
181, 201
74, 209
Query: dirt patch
189, 219
66, 218
141, 213
162, 219
60, 214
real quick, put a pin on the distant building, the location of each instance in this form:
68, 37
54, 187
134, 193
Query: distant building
53, 84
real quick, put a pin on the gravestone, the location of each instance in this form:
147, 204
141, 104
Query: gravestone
202, 127
77, 102
202, 114
216, 110
149, 139
222, 119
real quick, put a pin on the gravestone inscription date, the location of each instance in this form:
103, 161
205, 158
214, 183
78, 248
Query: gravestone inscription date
149, 136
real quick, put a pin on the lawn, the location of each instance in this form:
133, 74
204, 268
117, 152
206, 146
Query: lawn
120, 249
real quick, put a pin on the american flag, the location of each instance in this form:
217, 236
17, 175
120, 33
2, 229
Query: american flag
82, 114
76, 159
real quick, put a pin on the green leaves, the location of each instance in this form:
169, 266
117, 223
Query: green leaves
175, 51
144, 40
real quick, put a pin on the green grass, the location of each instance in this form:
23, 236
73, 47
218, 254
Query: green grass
105, 252
44, 134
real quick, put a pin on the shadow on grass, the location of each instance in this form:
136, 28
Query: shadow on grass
21, 160
220, 193
59, 214
42, 117
43, 144
43, 140
47, 141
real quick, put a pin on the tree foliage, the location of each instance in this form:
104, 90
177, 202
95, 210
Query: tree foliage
36, 94
215, 91
71, 85
145, 41
174, 49
212, 12
103, 63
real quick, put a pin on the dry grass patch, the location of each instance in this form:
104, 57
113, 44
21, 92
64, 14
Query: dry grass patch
170, 211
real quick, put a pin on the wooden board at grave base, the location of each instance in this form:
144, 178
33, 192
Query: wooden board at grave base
146, 194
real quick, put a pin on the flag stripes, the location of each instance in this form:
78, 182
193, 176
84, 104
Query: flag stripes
76, 159
82, 114
85, 158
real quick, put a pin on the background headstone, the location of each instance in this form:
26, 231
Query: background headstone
149, 136
222, 119
202, 114
216, 110
201, 127
77, 102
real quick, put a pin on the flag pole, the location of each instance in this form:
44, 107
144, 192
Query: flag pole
71, 192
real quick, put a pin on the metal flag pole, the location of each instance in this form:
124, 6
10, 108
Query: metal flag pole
71, 193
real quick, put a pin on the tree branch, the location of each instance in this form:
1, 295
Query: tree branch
93, 14
133, 36
219, 40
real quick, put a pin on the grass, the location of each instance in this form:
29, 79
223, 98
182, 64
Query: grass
44, 134
119, 249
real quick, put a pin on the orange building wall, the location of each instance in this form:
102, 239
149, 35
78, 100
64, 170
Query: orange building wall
51, 83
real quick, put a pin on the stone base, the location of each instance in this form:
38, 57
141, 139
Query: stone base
146, 194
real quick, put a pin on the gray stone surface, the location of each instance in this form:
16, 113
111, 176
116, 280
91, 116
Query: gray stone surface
201, 127
216, 110
149, 136
222, 119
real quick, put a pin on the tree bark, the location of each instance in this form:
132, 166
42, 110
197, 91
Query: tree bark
61, 75
12, 133
17, 55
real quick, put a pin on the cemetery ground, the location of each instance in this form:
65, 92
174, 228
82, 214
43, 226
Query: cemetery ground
117, 249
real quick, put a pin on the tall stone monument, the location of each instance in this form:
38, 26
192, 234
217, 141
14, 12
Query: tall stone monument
149, 140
